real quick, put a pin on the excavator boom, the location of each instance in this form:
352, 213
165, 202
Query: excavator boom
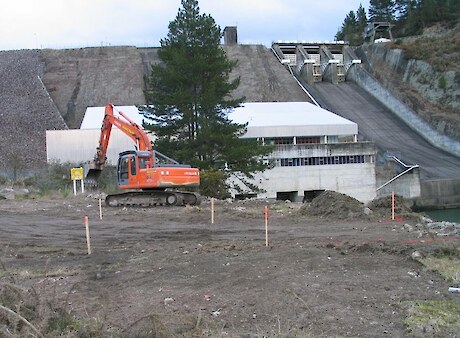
128, 126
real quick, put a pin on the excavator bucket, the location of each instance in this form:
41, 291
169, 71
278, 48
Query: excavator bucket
92, 174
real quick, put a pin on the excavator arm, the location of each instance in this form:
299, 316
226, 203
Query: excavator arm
126, 125
94, 168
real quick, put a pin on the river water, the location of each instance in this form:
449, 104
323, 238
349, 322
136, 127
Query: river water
450, 215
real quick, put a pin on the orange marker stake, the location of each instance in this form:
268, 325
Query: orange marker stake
266, 225
212, 210
393, 206
87, 235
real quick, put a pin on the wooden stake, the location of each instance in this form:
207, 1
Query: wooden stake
393, 205
212, 210
266, 225
87, 235
100, 208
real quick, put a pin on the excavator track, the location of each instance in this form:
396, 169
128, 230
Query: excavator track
153, 198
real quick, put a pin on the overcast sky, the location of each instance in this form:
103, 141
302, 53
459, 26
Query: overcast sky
29, 24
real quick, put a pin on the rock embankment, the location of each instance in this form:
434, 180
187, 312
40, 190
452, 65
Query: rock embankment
26, 111
429, 88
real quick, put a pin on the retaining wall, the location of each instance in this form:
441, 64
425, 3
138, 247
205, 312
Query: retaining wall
439, 194
363, 79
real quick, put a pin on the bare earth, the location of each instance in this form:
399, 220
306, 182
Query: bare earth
170, 272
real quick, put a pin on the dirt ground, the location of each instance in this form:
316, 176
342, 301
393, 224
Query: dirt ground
167, 271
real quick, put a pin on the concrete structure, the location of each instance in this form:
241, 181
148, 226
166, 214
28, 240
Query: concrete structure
315, 150
378, 30
79, 145
362, 78
230, 36
316, 61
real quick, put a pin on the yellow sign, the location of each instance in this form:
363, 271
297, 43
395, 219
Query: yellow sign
76, 173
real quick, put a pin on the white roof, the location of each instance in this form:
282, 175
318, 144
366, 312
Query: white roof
278, 119
94, 116
265, 119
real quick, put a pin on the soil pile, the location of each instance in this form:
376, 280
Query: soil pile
383, 204
334, 205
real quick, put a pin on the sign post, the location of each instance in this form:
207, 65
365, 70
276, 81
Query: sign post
76, 174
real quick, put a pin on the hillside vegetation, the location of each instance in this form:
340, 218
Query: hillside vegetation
421, 65
422, 71
438, 46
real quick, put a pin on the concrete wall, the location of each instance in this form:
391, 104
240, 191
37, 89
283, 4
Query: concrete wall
354, 179
408, 185
439, 194
362, 78
316, 150
79, 146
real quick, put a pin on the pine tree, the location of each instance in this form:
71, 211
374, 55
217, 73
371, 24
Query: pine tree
402, 8
353, 27
189, 98
381, 10
361, 18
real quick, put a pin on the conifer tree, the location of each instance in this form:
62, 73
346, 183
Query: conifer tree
361, 18
189, 98
381, 10
353, 27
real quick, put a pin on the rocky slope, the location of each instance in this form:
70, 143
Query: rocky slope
26, 112
422, 72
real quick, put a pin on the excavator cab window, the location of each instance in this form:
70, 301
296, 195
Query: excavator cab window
123, 168
143, 162
133, 165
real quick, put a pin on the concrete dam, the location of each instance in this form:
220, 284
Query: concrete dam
333, 76
42, 89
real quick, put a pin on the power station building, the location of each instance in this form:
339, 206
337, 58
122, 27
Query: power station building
314, 149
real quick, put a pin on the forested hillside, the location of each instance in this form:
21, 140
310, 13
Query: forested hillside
421, 65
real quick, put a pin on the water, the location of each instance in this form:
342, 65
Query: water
450, 215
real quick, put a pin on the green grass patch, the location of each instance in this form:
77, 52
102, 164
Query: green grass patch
448, 267
437, 317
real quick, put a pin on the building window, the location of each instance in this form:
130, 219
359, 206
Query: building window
323, 160
308, 140
282, 140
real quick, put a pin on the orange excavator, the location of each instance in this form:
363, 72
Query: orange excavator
151, 177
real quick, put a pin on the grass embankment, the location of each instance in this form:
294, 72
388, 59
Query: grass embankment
438, 317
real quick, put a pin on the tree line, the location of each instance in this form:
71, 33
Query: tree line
409, 17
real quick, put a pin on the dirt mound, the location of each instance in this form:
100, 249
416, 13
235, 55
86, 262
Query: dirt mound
384, 204
334, 205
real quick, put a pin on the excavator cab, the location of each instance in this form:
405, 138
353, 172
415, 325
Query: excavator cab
152, 170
